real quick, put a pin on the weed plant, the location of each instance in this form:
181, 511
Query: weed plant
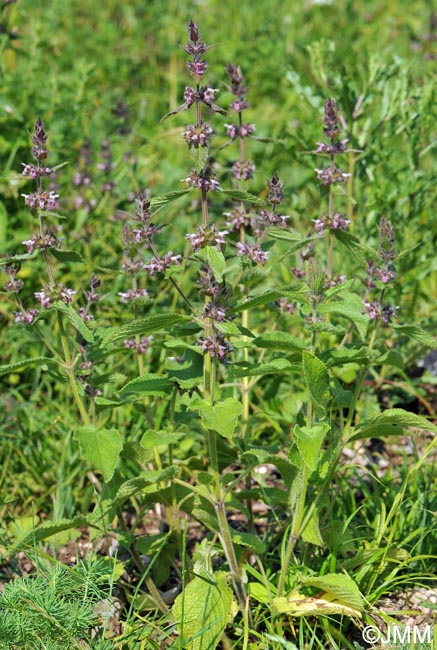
211, 363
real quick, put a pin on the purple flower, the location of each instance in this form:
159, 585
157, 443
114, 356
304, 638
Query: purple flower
209, 236
193, 31
133, 294
330, 122
41, 200
48, 240
141, 346
237, 218
197, 68
43, 298
85, 316
203, 181
276, 194
298, 273
253, 252
161, 264
13, 285
26, 317
215, 312
385, 275
239, 105
243, 170
66, 295
233, 131
142, 212
285, 306
333, 148
196, 136
144, 234
30, 245
330, 176
271, 218
35, 172
215, 346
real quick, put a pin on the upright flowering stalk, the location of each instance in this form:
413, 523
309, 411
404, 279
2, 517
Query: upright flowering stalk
45, 241
380, 274
238, 220
331, 175
206, 236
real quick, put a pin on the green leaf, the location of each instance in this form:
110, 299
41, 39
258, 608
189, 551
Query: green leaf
418, 334
148, 384
101, 447
66, 256
311, 533
135, 485
152, 439
239, 195
26, 363
202, 612
352, 243
73, 317
141, 326
215, 260
189, 372
334, 357
221, 417
45, 530
291, 292
393, 422
159, 201
297, 604
103, 401
317, 381
350, 306
292, 236
280, 342
309, 442
339, 586
248, 539
269, 368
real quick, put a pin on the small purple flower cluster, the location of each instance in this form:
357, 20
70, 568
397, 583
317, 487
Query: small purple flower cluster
260, 223
132, 295
285, 306
91, 297
141, 346
83, 179
41, 242
383, 272
161, 264
331, 174
216, 346
337, 222
41, 200
106, 166
13, 285
204, 180
47, 296
197, 136
243, 170
253, 251
207, 236
377, 311
233, 131
35, 172
214, 311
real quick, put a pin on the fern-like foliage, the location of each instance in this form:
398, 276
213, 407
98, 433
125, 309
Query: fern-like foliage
54, 610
